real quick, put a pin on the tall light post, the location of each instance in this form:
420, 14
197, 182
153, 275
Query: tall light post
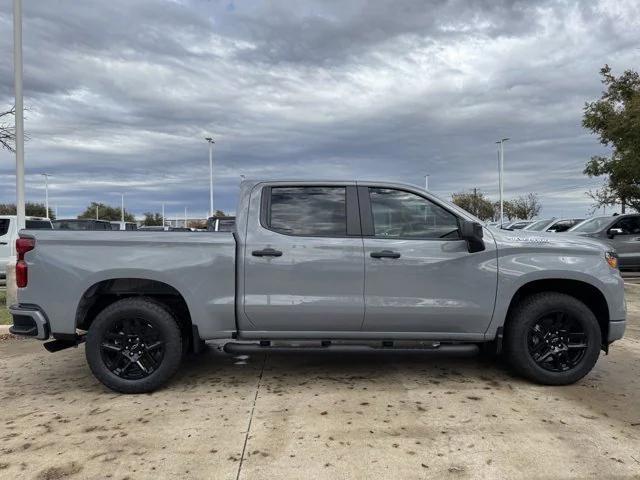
501, 176
46, 192
122, 208
19, 110
211, 142
426, 182
185, 217
163, 214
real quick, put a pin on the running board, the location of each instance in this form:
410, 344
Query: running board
62, 343
265, 346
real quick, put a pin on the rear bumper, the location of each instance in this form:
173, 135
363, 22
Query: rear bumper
616, 330
29, 321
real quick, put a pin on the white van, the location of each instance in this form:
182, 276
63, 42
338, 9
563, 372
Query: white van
9, 233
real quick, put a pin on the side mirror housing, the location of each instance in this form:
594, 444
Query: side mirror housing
614, 231
472, 233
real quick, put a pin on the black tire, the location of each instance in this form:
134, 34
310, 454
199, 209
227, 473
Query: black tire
529, 350
150, 318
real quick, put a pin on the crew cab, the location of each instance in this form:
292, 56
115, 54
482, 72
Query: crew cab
323, 266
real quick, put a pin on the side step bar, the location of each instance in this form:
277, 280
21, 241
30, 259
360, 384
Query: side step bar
64, 341
263, 347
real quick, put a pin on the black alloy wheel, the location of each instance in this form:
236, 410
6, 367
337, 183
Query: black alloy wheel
557, 342
552, 338
135, 345
132, 348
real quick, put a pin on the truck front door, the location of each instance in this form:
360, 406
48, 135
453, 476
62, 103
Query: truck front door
304, 261
419, 274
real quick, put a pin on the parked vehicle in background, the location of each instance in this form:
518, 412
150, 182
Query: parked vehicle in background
221, 224
160, 228
154, 228
517, 225
322, 266
124, 226
622, 232
556, 225
81, 224
9, 234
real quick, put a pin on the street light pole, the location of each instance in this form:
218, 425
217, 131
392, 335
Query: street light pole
211, 142
163, 215
426, 182
19, 110
122, 208
46, 193
501, 177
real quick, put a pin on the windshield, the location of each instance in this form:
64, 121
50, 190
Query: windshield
592, 225
538, 226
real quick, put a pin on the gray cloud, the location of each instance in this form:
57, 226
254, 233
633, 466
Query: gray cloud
122, 93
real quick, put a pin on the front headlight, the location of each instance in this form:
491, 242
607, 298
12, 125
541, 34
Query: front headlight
612, 259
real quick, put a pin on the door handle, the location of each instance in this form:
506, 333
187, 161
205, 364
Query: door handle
267, 252
4, 243
385, 254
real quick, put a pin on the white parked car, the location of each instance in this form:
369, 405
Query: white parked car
9, 233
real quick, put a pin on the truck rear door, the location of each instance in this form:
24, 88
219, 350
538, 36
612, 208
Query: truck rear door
419, 274
303, 260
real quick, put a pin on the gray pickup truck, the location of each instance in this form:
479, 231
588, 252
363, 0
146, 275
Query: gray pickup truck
321, 266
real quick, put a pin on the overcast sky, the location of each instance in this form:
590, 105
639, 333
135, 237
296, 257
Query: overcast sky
121, 93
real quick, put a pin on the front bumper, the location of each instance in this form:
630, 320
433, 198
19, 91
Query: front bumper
616, 330
29, 321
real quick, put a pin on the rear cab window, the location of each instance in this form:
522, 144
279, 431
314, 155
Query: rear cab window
307, 211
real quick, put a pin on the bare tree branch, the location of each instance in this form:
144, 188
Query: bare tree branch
8, 129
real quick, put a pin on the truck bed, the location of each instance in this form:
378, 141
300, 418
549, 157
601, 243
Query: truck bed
66, 265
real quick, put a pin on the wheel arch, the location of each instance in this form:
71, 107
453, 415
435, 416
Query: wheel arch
587, 293
105, 292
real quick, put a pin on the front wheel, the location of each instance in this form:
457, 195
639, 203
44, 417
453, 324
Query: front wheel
552, 339
134, 345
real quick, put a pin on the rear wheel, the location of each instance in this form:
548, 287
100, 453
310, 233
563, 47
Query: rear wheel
552, 338
134, 345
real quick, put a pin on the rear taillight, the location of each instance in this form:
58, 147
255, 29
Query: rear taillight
23, 245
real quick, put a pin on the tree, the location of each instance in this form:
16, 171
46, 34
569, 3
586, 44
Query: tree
105, 212
152, 219
219, 213
525, 207
31, 210
476, 203
7, 130
615, 118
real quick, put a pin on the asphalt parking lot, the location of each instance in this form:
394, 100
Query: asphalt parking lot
320, 416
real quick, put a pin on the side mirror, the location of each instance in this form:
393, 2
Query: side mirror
472, 233
614, 231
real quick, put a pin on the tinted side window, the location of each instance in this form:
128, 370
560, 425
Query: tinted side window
4, 226
398, 214
629, 225
562, 226
38, 224
311, 211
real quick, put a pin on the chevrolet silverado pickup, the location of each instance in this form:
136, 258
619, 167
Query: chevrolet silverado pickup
322, 266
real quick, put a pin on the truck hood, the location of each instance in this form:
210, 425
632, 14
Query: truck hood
548, 241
